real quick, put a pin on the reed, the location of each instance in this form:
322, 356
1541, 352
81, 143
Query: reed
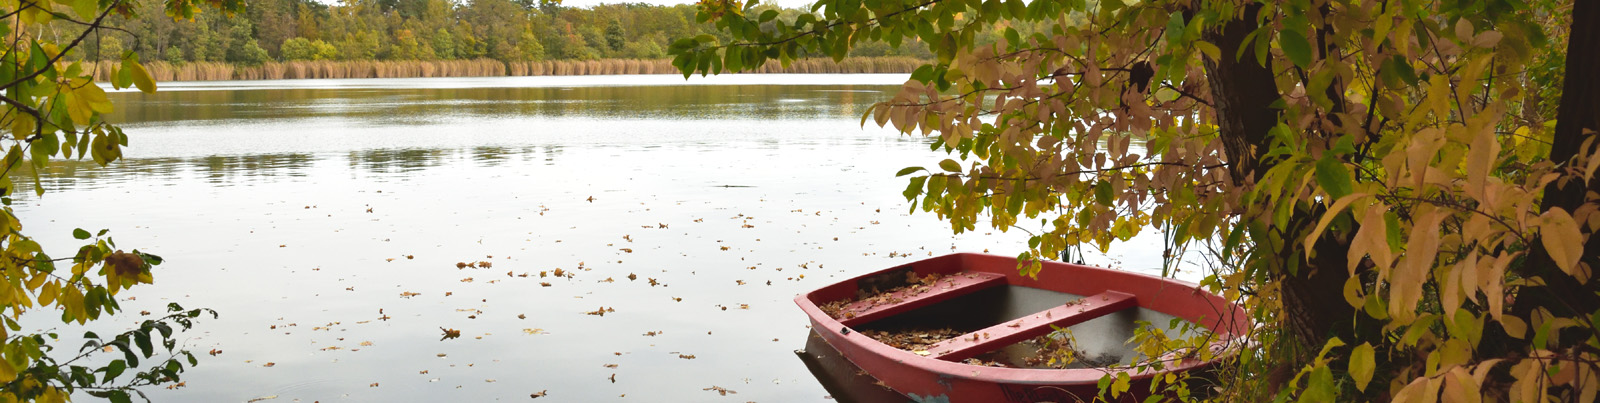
213, 71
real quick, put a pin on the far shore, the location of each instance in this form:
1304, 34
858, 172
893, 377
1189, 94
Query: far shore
216, 71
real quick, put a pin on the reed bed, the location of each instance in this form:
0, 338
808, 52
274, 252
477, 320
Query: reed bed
212, 71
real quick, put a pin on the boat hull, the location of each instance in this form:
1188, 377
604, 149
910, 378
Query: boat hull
925, 379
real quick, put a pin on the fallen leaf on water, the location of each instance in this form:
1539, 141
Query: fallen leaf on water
450, 334
631, 277
611, 365
366, 343
215, 351
544, 284
720, 390
422, 372
539, 395
534, 331
409, 294
373, 385
521, 316
601, 312
270, 364
627, 250
613, 378
261, 398
389, 260
686, 356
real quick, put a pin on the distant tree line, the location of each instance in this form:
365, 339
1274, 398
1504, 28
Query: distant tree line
505, 30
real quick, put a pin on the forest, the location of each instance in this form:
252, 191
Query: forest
404, 30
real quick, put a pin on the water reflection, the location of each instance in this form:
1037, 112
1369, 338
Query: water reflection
423, 106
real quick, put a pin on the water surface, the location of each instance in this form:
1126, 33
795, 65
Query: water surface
326, 220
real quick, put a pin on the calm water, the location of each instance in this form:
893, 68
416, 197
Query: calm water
308, 212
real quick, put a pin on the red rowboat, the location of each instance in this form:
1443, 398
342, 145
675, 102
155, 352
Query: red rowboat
997, 307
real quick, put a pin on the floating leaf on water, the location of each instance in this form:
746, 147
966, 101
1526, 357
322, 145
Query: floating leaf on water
449, 334
541, 393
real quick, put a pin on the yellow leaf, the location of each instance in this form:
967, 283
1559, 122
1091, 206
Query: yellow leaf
1361, 365
1328, 216
141, 78
1560, 236
1461, 388
1352, 292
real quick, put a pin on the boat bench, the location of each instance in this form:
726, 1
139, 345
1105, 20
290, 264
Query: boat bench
947, 287
1035, 325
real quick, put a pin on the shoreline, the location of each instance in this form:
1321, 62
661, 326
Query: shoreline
217, 71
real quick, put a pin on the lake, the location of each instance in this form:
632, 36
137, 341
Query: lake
328, 221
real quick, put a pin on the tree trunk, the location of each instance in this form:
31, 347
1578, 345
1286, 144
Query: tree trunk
1577, 121
1242, 93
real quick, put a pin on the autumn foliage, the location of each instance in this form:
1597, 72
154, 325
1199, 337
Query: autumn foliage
1402, 193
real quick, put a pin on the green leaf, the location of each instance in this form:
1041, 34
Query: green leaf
908, 171
1102, 193
768, 15
950, 165
79, 233
1362, 365
1334, 177
915, 187
1296, 47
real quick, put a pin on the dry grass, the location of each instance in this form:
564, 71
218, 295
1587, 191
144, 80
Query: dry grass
212, 71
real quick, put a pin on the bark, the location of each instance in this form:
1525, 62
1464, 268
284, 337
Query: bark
1242, 92
1577, 121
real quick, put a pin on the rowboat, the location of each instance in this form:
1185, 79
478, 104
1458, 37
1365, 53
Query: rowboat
991, 317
